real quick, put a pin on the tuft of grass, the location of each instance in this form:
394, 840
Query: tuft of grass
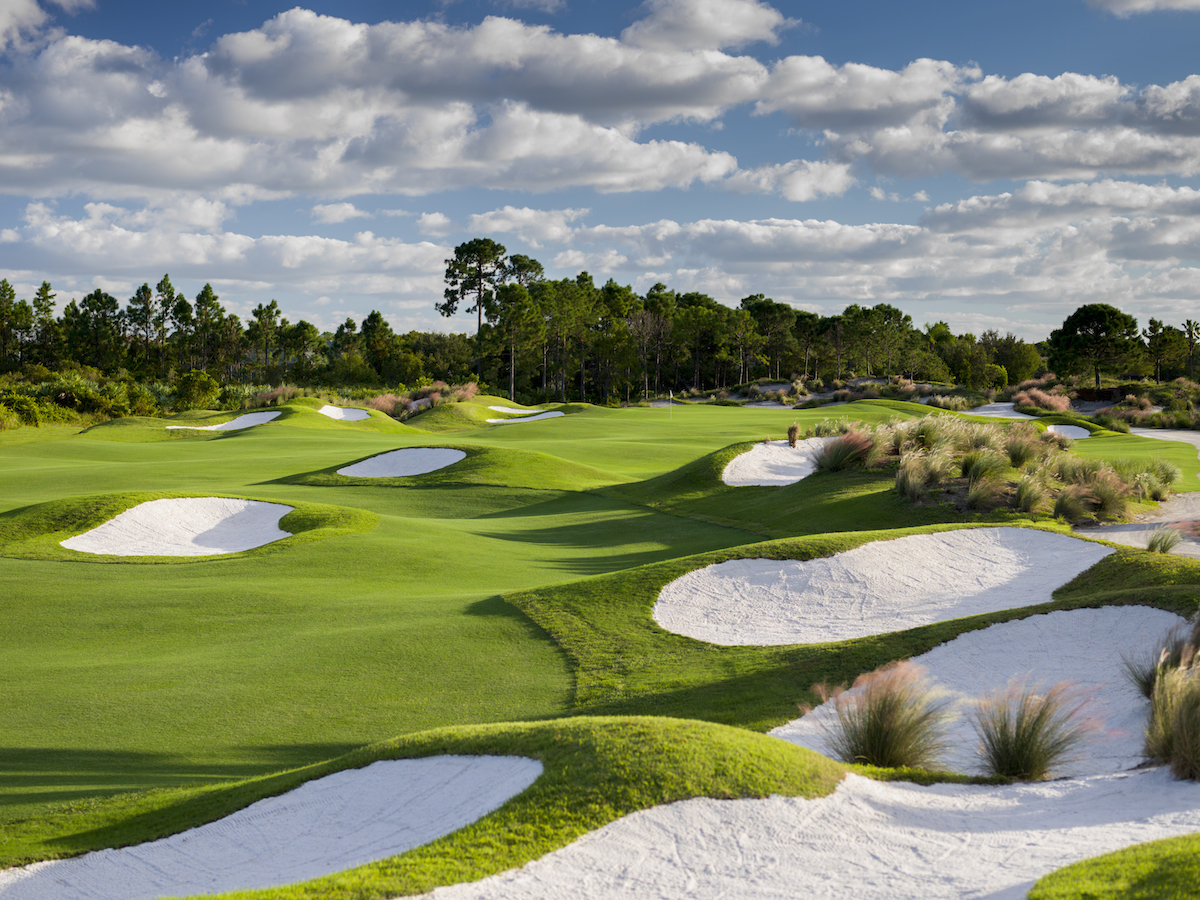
1163, 540
1109, 495
982, 494
851, 450
1027, 735
1030, 495
891, 717
1173, 732
1071, 504
1021, 450
912, 477
793, 434
1180, 644
982, 465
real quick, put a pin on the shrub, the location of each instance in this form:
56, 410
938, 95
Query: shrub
892, 717
793, 434
852, 449
979, 465
8, 418
196, 390
1163, 540
1036, 399
1030, 495
1027, 735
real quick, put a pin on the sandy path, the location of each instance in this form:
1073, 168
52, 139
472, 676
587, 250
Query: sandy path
868, 840
1083, 646
328, 825
344, 413
185, 526
247, 421
546, 415
409, 461
774, 464
880, 587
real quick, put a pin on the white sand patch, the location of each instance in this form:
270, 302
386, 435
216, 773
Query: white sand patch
868, 841
994, 410
1083, 646
879, 587
775, 463
185, 526
328, 825
247, 421
513, 411
410, 461
1074, 432
537, 418
344, 413
1181, 513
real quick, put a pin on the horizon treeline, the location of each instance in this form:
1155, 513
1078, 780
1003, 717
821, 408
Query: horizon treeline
538, 340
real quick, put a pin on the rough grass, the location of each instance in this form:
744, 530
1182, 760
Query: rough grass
1163, 540
852, 450
1026, 733
1159, 870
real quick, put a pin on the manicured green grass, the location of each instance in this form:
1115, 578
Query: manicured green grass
1110, 445
36, 532
1159, 870
595, 770
624, 663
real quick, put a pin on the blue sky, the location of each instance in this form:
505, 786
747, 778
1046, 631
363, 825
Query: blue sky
991, 165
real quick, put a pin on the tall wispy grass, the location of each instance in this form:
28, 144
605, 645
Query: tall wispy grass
1026, 733
980, 465
1163, 540
1173, 731
1071, 504
891, 717
1177, 649
851, 450
793, 434
1037, 399
1031, 494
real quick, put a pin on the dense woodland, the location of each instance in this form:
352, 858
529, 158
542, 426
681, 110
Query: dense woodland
541, 339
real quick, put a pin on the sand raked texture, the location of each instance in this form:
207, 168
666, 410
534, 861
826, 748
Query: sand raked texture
247, 421
774, 464
512, 410
879, 587
328, 825
869, 840
539, 417
409, 461
344, 413
1074, 432
1082, 646
185, 526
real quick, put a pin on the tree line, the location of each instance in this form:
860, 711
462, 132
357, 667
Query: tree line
542, 339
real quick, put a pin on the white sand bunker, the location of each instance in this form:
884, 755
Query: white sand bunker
399, 463
546, 415
344, 413
247, 421
1074, 432
994, 410
879, 587
1083, 646
185, 526
869, 840
328, 825
513, 411
774, 464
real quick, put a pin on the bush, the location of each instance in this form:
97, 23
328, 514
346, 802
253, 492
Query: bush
1163, 540
8, 418
851, 450
1038, 400
1026, 735
196, 390
892, 717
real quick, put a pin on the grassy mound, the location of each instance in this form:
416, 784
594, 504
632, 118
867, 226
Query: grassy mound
484, 466
624, 663
596, 770
1158, 870
34, 532
474, 413
304, 414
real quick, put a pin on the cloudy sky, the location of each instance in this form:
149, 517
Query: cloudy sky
993, 165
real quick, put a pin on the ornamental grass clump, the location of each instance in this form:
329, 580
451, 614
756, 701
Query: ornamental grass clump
1071, 504
1027, 735
793, 434
1109, 495
912, 478
853, 449
1177, 649
983, 465
1173, 731
892, 717
1031, 494
983, 494
1163, 540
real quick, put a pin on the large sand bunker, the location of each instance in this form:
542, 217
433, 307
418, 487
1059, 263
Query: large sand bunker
774, 464
869, 840
185, 526
1083, 646
409, 461
997, 411
1074, 432
328, 825
247, 421
344, 413
546, 415
879, 587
